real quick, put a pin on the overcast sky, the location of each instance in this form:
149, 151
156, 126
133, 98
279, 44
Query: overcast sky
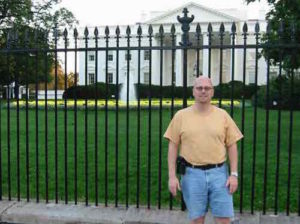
125, 12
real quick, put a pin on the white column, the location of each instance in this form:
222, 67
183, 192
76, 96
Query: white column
179, 63
81, 77
236, 56
205, 56
239, 58
155, 64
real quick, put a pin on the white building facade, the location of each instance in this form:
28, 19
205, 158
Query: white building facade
108, 62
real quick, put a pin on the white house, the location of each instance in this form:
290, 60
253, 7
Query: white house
203, 16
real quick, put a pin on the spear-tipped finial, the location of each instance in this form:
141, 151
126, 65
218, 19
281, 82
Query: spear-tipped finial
198, 29
161, 30
222, 29
96, 32
150, 30
75, 33
139, 30
86, 32
257, 28
65, 33
233, 28
173, 29
209, 28
118, 31
106, 31
245, 28
128, 31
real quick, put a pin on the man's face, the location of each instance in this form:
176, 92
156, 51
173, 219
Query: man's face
203, 90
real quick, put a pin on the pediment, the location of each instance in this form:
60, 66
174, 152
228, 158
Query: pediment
201, 13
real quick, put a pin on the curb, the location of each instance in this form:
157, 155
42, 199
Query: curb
51, 213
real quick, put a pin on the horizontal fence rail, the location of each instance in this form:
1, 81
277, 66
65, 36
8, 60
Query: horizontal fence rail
94, 135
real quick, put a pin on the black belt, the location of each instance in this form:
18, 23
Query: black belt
204, 167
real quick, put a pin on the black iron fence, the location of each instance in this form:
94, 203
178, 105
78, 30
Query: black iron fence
91, 146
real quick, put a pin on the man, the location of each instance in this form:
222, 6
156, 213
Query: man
206, 134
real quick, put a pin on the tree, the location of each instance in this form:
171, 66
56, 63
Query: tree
25, 24
60, 79
71, 78
16, 65
15, 12
284, 20
34, 13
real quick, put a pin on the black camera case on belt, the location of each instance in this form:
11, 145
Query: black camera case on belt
180, 165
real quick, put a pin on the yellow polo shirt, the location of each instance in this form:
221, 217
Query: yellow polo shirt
203, 138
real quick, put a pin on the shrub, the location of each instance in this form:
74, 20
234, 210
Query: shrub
225, 89
278, 100
167, 91
88, 92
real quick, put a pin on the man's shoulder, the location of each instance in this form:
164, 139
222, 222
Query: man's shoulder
220, 111
184, 111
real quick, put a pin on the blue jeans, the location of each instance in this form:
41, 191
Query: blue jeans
201, 188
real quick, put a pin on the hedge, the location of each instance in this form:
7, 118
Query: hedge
143, 90
89, 91
225, 90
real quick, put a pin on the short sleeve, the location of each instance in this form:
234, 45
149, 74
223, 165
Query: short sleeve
233, 134
173, 131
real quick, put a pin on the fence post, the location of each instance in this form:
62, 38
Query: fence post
185, 27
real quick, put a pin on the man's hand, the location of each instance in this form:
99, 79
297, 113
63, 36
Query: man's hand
232, 184
174, 185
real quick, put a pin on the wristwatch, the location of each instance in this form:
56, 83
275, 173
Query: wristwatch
235, 174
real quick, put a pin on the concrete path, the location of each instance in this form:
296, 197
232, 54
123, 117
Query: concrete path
36, 213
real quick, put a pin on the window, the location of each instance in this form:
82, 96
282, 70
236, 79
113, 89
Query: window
110, 57
251, 77
110, 77
146, 55
91, 78
146, 77
91, 57
127, 57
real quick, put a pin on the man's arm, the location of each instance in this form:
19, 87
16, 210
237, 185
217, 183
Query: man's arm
232, 181
173, 180
233, 157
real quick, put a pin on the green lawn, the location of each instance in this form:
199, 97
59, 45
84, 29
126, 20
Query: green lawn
155, 133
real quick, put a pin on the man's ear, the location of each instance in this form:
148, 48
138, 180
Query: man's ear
213, 92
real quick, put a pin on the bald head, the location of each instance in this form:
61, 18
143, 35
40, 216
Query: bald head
203, 90
202, 80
